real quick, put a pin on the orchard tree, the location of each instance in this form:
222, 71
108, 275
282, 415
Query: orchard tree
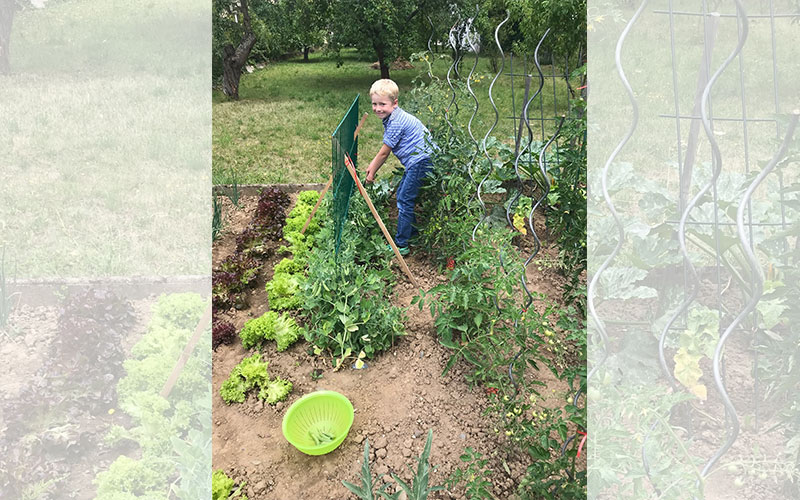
7, 10
233, 39
307, 19
566, 20
290, 25
380, 27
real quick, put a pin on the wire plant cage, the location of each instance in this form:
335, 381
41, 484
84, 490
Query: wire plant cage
692, 240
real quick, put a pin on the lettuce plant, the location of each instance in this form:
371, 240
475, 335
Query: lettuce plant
221, 333
308, 197
286, 332
275, 390
258, 330
222, 487
290, 266
251, 374
272, 204
229, 282
284, 291
271, 326
299, 214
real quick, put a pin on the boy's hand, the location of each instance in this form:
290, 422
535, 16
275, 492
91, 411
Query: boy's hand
377, 162
370, 175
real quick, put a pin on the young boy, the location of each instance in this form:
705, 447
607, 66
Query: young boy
410, 141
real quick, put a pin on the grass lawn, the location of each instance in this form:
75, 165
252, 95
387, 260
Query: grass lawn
279, 131
104, 143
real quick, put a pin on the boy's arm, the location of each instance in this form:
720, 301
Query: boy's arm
377, 162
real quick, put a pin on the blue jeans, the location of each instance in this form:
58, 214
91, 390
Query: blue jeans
407, 193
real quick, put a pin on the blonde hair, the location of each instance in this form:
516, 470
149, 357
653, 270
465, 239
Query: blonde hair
385, 88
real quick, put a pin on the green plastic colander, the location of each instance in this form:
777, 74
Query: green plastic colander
318, 422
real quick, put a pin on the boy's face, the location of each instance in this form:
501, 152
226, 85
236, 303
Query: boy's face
383, 106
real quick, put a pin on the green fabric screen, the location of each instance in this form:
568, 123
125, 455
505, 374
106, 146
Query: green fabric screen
343, 142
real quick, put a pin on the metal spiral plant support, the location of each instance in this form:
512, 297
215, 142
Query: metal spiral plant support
542, 164
524, 119
695, 280
719, 298
489, 132
430, 75
517, 158
474, 48
543, 169
452, 39
522, 151
607, 198
758, 289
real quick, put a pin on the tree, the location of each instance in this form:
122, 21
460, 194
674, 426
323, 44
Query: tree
7, 10
232, 25
307, 18
288, 25
382, 27
565, 18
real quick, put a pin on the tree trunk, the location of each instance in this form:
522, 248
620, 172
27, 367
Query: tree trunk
232, 64
7, 8
381, 60
233, 60
305, 54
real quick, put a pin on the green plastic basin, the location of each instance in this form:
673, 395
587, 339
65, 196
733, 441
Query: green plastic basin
317, 423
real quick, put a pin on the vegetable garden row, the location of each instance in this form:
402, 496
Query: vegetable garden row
87, 414
292, 317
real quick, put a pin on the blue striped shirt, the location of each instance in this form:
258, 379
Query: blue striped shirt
408, 138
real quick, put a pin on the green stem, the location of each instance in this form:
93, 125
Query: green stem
680, 444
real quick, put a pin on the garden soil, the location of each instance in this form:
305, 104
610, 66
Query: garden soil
763, 443
397, 399
24, 349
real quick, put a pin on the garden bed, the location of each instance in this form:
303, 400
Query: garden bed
69, 345
398, 397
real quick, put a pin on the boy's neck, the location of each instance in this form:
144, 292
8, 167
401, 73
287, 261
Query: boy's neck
390, 114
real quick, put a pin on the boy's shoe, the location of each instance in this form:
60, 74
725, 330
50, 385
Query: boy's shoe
403, 250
